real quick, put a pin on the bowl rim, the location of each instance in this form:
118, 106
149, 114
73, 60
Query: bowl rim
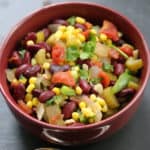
106, 121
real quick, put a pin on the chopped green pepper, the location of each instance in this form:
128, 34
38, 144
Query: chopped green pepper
71, 20
108, 67
67, 91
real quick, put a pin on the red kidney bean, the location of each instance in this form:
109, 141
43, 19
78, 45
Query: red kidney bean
61, 21
21, 70
37, 92
126, 92
55, 68
27, 58
85, 86
121, 59
33, 48
86, 61
15, 60
32, 71
118, 69
46, 95
68, 109
31, 36
45, 46
81, 26
18, 91
47, 32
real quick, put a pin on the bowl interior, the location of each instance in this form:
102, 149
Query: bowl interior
92, 12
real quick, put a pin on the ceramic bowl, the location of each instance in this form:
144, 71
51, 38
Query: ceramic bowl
79, 134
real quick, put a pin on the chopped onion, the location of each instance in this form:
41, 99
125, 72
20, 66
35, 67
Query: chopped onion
53, 27
10, 74
94, 71
40, 111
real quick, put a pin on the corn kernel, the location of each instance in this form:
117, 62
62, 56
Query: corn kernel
62, 28
30, 88
75, 115
30, 42
103, 37
28, 97
56, 90
98, 88
82, 105
78, 90
15, 81
75, 74
23, 80
87, 112
104, 108
29, 104
32, 80
40, 36
33, 61
35, 101
100, 101
70, 28
76, 68
93, 97
46, 65
93, 31
81, 37
94, 58
98, 106
108, 41
80, 20
85, 67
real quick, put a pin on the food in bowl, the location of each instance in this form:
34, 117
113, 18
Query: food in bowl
73, 72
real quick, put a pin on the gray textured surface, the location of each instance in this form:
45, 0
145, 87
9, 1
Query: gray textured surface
134, 136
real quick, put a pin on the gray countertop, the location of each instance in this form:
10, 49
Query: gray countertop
134, 136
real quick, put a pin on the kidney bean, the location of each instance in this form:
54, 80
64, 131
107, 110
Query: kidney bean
31, 36
37, 92
121, 59
21, 70
85, 86
32, 71
33, 48
86, 61
126, 92
27, 58
55, 68
18, 91
61, 21
68, 109
15, 60
46, 95
81, 26
47, 32
118, 69
45, 46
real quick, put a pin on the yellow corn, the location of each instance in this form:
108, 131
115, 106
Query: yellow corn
40, 36
75, 115
93, 31
82, 105
80, 20
46, 65
15, 81
103, 104
32, 80
62, 28
30, 88
76, 68
78, 90
81, 37
91, 120
87, 112
109, 41
30, 42
103, 37
93, 97
35, 101
28, 97
29, 104
23, 80
56, 90
104, 108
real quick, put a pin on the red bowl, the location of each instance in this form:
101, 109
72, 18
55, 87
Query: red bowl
88, 133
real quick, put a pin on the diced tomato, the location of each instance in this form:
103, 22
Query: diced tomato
64, 78
105, 78
113, 54
110, 30
88, 25
86, 33
58, 54
55, 119
24, 107
96, 63
126, 48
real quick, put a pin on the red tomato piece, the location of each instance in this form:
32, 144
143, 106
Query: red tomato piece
86, 33
114, 54
64, 78
126, 48
24, 107
110, 30
105, 78
58, 54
